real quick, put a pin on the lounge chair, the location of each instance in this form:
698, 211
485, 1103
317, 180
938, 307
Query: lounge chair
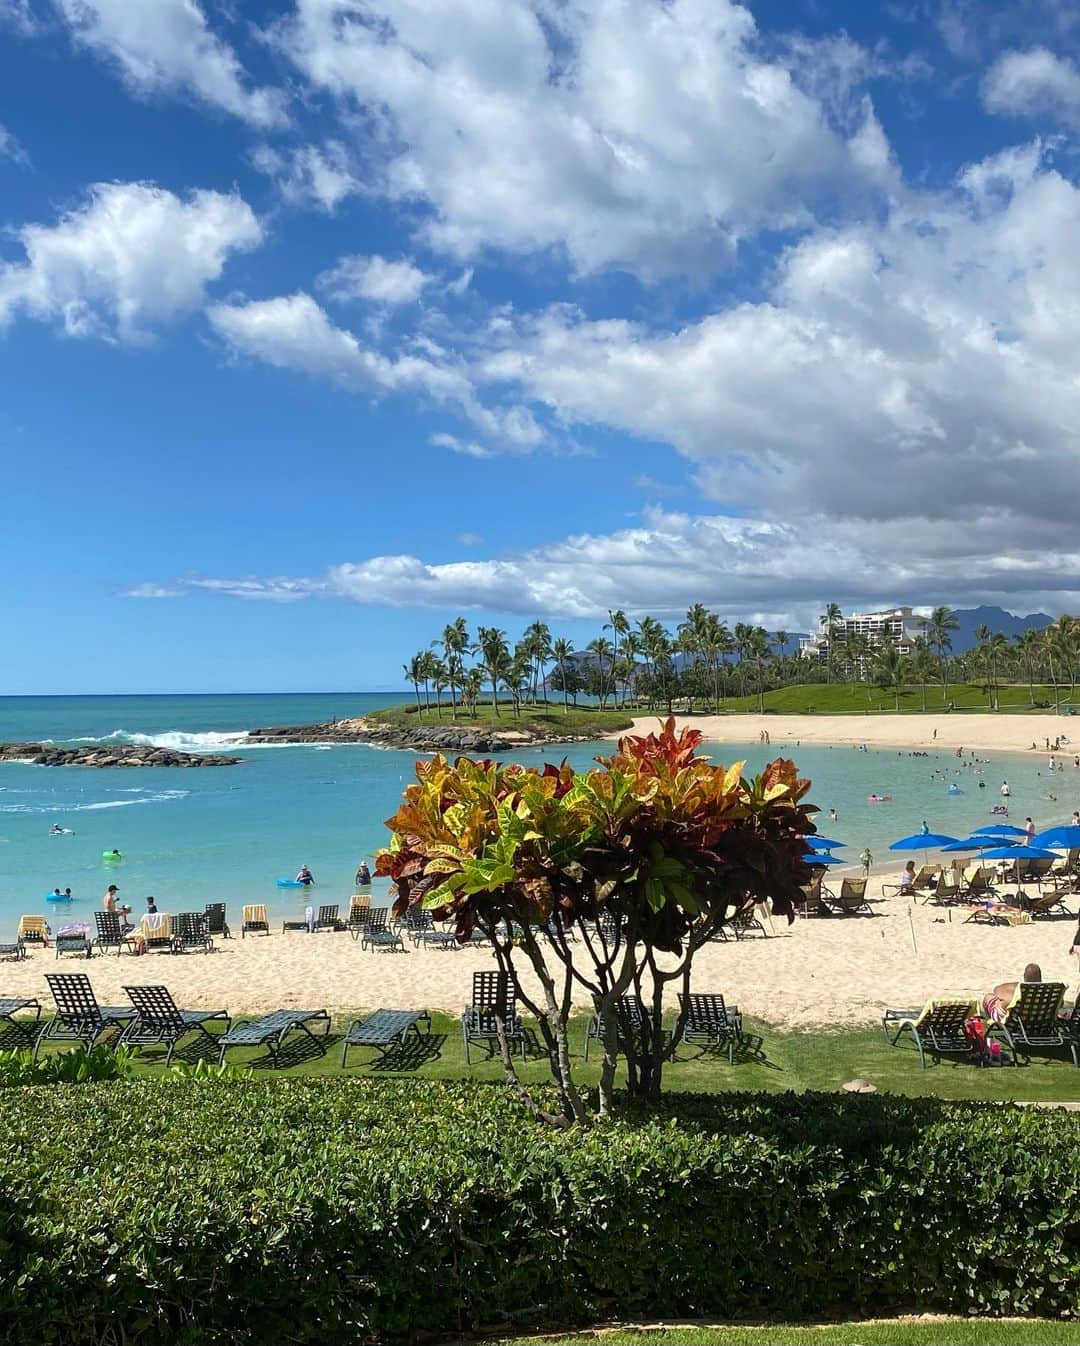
13, 950
158, 1021
384, 1029
946, 894
74, 943
12, 1005
328, 918
492, 1000
851, 899
359, 911
216, 924
1033, 1019
746, 922
156, 932
377, 934
980, 884
925, 881
939, 1027
191, 931
812, 904
111, 933
272, 1029
997, 913
1033, 871
421, 928
255, 921
79, 1017
629, 1017
34, 930
1047, 903
708, 1021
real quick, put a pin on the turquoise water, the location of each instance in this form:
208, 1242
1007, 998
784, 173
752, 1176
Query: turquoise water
225, 834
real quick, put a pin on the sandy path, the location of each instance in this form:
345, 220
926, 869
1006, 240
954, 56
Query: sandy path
838, 971
1002, 733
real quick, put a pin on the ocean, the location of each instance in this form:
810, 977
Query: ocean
225, 834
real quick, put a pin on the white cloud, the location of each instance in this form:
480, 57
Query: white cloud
778, 573
134, 255
19, 15
317, 175
378, 280
11, 149
1034, 83
469, 539
631, 132
166, 47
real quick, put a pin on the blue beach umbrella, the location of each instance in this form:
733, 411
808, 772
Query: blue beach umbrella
1065, 836
819, 858
822, 843
1017, 853
922, 841
1003, 830
971, 844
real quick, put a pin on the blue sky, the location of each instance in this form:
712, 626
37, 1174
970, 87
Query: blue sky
324, 320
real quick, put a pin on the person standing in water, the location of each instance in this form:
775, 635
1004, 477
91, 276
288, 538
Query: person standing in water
925, 829
363, 875
305, 876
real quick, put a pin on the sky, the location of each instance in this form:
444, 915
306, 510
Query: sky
324, 321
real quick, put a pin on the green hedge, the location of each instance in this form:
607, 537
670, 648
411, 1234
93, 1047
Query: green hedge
325, 1210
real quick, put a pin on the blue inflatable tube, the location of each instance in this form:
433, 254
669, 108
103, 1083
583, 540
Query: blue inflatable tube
291, 883
58, 897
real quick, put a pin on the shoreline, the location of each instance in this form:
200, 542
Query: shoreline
982, 732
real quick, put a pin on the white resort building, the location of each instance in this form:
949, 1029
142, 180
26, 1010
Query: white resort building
897, 626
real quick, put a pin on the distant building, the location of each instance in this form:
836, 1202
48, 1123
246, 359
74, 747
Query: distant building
895, 626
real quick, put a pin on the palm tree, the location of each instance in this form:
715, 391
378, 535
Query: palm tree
631, 648
890, 668
455, 642
939, 628
561, 650
429, 666
1051, 644
830, 619
1027, 647
855, 650
603, 651
757, 649
439, 680
494, 657
472, 683
922, 664
619, 627
414, 673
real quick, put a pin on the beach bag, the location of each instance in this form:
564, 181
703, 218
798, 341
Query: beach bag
975, 1032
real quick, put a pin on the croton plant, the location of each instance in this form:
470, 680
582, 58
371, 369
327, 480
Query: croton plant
607, 879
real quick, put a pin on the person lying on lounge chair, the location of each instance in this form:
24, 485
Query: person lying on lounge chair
996, 1003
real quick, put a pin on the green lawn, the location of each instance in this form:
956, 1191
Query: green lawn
550, 720
838, 699
774, 1062
905, 1332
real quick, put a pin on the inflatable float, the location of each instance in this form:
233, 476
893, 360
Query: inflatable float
879, 799
954, 789
59, 897
111, 855
291, 883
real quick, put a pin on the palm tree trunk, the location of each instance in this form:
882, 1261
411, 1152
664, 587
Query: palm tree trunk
494, 696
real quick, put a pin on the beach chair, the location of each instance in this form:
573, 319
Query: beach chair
980, 884
946, 894
376, 933
1050, 902
79, 1017
997, 913
359, 909
12, 950
1033, 1019
111, 933
420, 926
191, 931
328, 918
34, 930
272, 1029
925, 881
813, 903
939, 1027
255, 921
156, 932
384, 1029
492, 1000
746, 922
159, 1023
1033, 871
851, 899
12, 1005
707, 1021
629, 1019
216, 924
74, 943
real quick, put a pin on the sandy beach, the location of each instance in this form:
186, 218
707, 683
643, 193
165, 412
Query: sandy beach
840, 971
1000, 733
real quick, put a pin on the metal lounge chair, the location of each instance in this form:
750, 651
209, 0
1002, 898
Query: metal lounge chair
158, 1021
255, 922
376, 934
328, 918
111, 933
79, 1017
851, 898
1033, 1019
492, 1000
1050, 902
746, 922
629, 1017
925, 881
74, 943
13, 950
979, 885
421, 928
939, 1027
946, 894
359, 911
157, 932
12, 1005
191, 931
34, 930
812, 904
384, 1029
1033, 871
216, 924
272, 1029
708, 1022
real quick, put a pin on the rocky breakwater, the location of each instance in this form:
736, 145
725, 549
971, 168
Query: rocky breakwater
445, 738
120, 754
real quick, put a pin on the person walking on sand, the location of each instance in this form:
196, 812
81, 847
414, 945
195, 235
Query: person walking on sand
866, 859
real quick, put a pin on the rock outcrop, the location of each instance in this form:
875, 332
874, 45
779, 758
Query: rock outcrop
451, 739
119, 754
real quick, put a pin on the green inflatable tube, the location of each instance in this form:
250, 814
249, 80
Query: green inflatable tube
111, 855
